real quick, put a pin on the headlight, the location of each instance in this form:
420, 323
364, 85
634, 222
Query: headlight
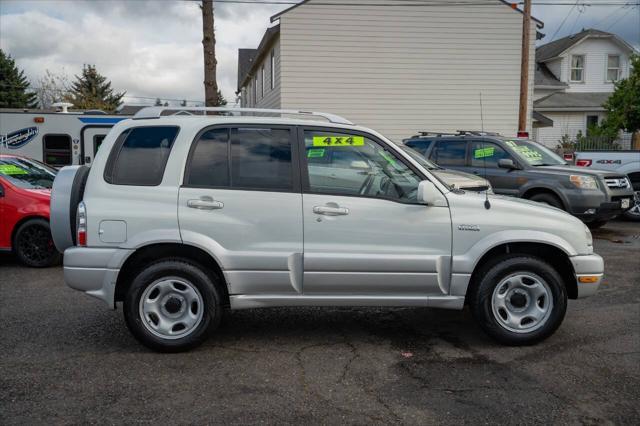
589, 236
583, 182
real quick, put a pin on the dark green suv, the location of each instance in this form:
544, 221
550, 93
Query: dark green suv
526, 169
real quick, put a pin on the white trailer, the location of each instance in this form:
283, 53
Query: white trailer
55, 138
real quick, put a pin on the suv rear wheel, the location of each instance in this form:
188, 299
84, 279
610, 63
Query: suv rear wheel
519, 300
172, 305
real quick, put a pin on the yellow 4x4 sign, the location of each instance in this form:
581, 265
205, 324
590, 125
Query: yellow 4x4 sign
338, 141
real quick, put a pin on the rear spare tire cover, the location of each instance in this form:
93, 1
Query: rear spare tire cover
67, 192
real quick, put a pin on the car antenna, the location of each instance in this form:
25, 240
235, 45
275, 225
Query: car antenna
487, 204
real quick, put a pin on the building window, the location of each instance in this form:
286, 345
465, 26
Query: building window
273, 69
592, 122
263, 80
613, 67
577, 68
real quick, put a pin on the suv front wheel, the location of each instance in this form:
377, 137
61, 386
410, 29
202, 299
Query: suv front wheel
172, 306
519, 300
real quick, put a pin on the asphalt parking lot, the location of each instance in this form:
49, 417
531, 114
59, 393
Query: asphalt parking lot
64, 358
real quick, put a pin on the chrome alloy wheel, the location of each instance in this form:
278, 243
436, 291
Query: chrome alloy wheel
635, 210
522, 302
171, 308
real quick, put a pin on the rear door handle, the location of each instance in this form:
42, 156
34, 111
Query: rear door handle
205, 204
330, 211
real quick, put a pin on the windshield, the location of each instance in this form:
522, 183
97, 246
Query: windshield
26, 174
419, 158
534, 154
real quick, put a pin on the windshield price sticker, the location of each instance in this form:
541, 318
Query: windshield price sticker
338, 141
315, 153
10, 169
529, 153
484, 152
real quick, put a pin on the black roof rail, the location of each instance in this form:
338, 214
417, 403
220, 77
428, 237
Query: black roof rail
477, 133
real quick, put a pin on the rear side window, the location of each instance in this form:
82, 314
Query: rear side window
242, 158
450, 153
140, 155
57, 149
422, 146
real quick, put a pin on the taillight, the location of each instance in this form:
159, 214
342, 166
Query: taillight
568, 157
523, 134
583, 163
82, 225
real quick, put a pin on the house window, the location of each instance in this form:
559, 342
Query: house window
613, 67
273, 69
592, 121
263, 81
577, 68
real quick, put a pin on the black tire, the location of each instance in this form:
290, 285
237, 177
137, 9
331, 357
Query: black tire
33, 245
596, 224
181, 269
549, 199
489, 277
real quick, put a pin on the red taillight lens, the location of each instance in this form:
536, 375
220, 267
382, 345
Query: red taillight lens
81, 225
583, 163
523, 134
568, 157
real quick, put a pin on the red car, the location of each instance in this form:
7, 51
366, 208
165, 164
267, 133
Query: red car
25, 191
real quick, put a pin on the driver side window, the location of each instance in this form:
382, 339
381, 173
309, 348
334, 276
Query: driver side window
350, 164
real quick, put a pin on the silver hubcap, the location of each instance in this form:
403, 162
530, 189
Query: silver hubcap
522, 302
635, 210
171, 308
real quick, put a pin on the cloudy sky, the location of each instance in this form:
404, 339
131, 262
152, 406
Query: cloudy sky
152, 48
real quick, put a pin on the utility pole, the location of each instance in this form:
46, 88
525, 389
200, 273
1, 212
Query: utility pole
209, 48
524, 68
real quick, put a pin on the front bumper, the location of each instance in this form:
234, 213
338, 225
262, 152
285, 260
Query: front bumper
94, 271
592, 206
590, 265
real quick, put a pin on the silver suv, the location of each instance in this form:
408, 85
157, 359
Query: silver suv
182, 216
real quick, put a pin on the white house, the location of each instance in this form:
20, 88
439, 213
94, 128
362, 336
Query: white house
398, 67
574, 76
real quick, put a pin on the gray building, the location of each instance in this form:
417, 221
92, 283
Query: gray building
398, 68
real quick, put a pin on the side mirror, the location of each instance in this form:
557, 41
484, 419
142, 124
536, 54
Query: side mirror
430, 195
360, 165
507, 163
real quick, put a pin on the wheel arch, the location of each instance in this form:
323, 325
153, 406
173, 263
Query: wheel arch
535, 190
153, 252
552, 254
23, 221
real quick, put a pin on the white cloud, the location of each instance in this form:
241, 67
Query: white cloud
148, 48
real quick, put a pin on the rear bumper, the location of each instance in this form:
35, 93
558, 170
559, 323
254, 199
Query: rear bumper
590, 265
94, 271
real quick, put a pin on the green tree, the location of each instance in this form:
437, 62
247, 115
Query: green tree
91, 90
219, 99
14, 85
623, 106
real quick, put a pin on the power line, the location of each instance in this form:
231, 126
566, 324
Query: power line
617, 20
422, 3
564, 20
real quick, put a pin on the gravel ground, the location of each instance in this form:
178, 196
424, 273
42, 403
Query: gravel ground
64, 358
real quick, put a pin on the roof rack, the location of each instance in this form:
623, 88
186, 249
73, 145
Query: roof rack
456, 133
477, 133
156, 112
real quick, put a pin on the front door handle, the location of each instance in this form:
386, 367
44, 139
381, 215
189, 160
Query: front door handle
330, 211
205, 203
